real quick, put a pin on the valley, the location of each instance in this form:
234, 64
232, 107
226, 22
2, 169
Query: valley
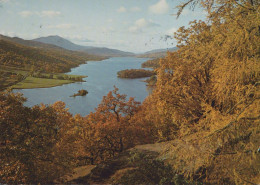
99, 78
41, 63
121, 92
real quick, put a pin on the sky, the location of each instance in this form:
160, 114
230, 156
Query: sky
129, 25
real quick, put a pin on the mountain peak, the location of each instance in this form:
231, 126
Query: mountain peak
51, 38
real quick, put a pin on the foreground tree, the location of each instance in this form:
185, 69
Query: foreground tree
216, 67
207, 93
111, 120
29, 142
109, 130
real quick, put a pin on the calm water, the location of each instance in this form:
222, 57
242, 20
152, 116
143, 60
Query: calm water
102, 76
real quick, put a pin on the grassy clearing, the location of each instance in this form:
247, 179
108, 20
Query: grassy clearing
32, 82
9, 79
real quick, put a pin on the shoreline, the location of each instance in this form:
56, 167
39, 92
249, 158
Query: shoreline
35, 82
41, 87
38, 83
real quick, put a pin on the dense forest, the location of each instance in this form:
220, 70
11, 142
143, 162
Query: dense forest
204, 110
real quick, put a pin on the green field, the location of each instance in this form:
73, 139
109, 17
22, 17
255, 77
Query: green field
30, 82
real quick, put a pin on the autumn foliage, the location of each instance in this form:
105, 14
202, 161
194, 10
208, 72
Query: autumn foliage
135, 73
43, 143
207, 94
29, 142
107, 131
206, 104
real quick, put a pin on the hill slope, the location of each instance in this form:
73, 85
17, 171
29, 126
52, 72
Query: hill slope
29, 43
157, 53
20, 58
193, 159
108, 52
66, 44
61, 42
54, 59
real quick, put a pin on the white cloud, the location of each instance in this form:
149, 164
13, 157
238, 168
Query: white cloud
9, 34
26, 13
121, 9
161, 7
171, 31
107, 29
20, 35
110, 20
141, 24
35, 35
87, 28
136, 9
62, 26
78, 38
144, 23
135, 29
4, 1
48, 13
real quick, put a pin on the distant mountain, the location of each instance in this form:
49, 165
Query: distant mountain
29, 43
25, 57
61, 42
21, 53
161, 50
108, 52
157, 53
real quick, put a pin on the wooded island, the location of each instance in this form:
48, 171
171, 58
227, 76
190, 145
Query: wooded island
135, 73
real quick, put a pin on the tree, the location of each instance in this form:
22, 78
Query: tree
215, 68
29, 142
208, 92
111, 122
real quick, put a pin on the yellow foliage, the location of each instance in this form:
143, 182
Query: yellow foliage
207, 95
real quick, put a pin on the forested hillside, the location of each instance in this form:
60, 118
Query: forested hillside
204, 112
20, 58
45, 59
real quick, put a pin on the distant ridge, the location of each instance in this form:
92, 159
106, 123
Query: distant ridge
162, 50
48, 47
29, 43
66, 44
157, 53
